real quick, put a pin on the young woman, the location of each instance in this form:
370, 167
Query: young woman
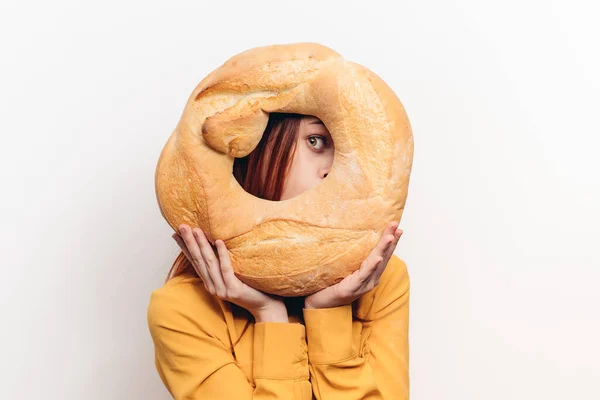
218, 338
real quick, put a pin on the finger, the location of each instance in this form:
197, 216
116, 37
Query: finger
196, 257
197, 260
397, 235
391, 232
376, 275
387, 255
391, 228
367, 268
182, 246
214, 268
373, 279
389, 243
229, 276
389, 239
200, 269
391, 246
384, 250
363, 282
386, 241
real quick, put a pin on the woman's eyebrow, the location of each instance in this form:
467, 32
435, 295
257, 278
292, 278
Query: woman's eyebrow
317, 122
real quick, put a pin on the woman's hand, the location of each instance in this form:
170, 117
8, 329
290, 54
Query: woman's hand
220, 280
363, 279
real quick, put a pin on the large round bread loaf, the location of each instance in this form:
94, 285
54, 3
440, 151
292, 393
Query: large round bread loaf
303, 244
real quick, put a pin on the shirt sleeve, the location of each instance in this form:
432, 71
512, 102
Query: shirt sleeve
194, 363
340, 367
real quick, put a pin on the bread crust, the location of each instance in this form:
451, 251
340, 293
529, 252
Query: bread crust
300, 245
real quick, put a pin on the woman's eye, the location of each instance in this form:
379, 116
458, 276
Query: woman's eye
314, 139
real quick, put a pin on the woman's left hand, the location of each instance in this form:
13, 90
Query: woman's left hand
363, 279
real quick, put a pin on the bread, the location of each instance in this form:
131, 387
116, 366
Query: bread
300, 245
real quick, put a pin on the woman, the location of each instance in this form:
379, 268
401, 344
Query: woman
218, 338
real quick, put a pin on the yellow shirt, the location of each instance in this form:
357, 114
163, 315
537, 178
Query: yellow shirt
206, 348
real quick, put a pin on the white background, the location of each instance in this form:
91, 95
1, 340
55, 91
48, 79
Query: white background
501, 223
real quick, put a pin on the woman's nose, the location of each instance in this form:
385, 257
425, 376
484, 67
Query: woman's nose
325, 170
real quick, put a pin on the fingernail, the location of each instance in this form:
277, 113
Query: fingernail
182, 229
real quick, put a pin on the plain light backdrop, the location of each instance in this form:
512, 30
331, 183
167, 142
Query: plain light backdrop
501, 222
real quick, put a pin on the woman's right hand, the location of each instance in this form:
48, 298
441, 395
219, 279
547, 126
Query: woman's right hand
220, 280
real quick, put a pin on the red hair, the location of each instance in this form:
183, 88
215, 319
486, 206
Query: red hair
261, 173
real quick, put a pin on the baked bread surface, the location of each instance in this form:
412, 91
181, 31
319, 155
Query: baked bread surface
297, 246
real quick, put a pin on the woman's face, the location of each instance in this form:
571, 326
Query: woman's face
312, 159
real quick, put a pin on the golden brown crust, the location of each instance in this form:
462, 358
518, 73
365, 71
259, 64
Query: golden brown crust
297, 246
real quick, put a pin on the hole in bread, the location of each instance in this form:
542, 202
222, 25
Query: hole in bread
295, 154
